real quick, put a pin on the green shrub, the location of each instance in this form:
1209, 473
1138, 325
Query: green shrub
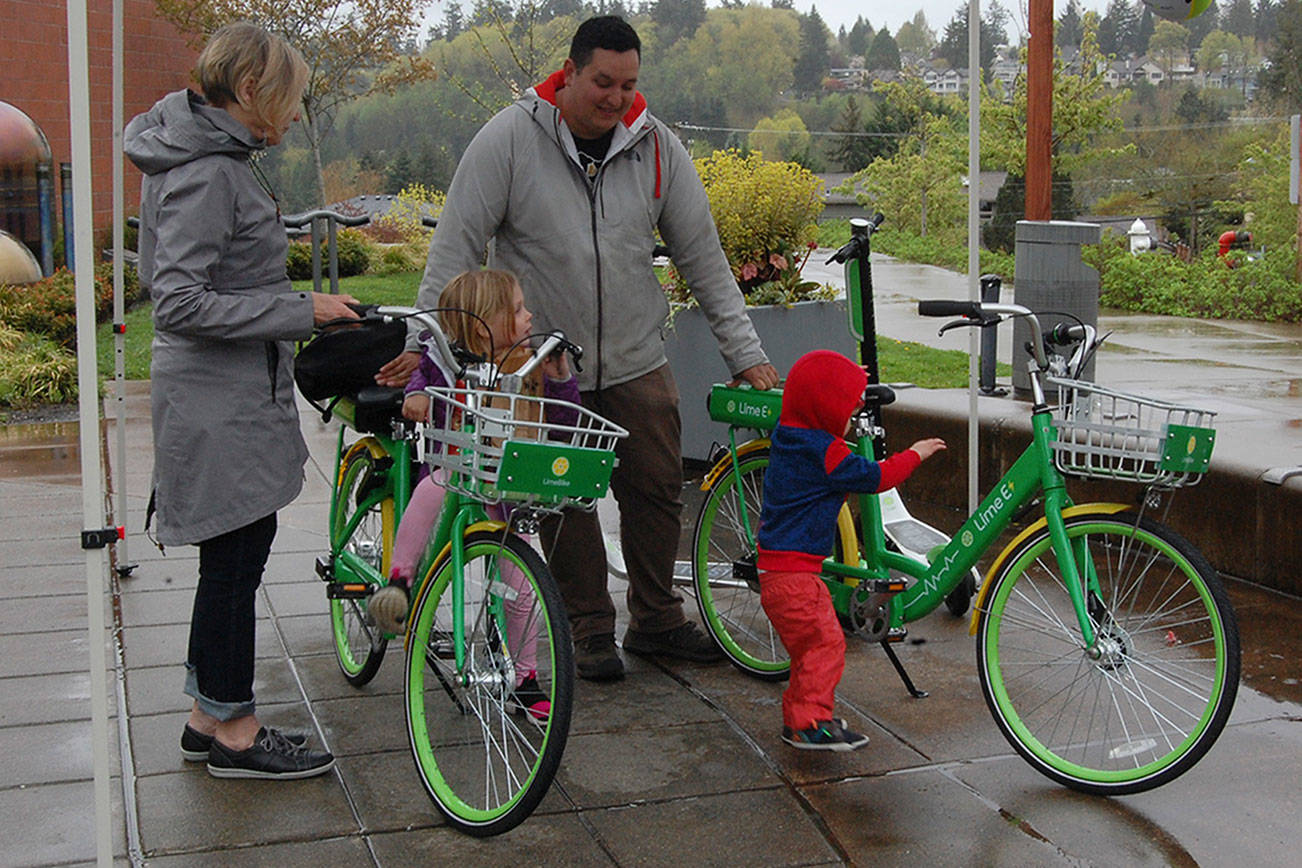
354, 252
49, 306
403, 220
34, 370
401, 258
1207, 286
767, 217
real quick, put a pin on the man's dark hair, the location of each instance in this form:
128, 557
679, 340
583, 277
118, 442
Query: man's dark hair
605, 31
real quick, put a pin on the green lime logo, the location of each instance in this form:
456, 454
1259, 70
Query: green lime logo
1193, 444
967, 538
732, 406
561, 466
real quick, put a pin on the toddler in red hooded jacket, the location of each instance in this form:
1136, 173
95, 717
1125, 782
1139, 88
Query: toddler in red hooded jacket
811, 471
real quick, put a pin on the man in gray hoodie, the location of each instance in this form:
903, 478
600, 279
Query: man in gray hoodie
571, 184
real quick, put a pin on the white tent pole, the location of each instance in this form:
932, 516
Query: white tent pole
973, 241
124, 565
94, 535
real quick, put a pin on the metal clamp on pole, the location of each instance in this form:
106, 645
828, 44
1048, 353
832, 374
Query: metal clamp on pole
98, 539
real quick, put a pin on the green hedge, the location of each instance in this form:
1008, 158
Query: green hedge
49, 306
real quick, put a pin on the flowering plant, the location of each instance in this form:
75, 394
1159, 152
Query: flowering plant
766, 214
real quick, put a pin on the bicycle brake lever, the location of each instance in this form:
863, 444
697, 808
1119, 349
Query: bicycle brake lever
984, 321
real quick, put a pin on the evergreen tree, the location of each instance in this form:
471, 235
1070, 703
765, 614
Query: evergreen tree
1237, 18
677, 19
860, 37
1119, 28
1010, 206
852, 152
884, 53
953, 45
1070, 28
453, 23
1265, 19
813, 58
1282, 80
1143, 33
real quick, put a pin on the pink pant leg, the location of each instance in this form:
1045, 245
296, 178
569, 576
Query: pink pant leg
416, 525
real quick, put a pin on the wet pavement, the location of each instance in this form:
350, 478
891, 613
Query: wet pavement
678, 765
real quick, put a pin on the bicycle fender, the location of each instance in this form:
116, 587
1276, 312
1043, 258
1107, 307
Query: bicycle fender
1035, 527
444, 554
846, 533
369, 444
724, 464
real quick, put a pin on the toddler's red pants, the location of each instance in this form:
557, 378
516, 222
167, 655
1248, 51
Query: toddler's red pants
800, 608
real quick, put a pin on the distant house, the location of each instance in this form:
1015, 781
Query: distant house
1131, 70
943, 81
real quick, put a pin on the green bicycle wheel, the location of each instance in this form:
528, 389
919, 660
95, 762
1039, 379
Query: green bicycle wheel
1151, 702
485, 748
359, 646
723, 570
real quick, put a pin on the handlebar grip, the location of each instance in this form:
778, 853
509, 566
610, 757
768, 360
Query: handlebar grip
1065, 333
942, 307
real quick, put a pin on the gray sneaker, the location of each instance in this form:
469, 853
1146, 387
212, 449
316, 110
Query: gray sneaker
685, 642
596, 659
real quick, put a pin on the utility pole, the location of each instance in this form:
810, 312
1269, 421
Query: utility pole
1039, 111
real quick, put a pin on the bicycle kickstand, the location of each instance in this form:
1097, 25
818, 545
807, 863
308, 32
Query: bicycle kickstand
899, 668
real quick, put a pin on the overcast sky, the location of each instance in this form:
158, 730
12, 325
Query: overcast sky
836, 13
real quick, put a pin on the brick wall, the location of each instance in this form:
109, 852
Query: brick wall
34, 60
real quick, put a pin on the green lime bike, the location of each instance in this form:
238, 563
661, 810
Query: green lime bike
1107, 649
485, 601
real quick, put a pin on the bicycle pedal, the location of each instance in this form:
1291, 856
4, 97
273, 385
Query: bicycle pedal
348, 590
897, 634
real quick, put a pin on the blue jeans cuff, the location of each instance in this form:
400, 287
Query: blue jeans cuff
223, 711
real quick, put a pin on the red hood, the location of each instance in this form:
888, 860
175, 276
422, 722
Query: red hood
547, 89
821, 392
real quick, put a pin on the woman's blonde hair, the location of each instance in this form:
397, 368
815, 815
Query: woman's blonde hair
486, 294
242, 50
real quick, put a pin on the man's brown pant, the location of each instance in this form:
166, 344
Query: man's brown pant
648, 487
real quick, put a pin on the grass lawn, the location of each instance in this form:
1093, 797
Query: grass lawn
900, 361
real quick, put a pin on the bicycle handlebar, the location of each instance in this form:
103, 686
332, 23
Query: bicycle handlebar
981, 313
553, 342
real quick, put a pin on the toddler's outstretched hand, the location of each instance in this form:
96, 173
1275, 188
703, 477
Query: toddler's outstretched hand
929, 447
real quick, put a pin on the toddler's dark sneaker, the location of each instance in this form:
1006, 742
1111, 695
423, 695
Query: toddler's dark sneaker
824, 735
685, 642
272, 757
388, 607
195, 745
529, 699
595, 658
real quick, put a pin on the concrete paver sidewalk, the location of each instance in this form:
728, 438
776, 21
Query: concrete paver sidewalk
678, 764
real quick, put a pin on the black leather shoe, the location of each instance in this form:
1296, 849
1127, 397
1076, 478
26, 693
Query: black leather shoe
273, 756
195, 745
685, 642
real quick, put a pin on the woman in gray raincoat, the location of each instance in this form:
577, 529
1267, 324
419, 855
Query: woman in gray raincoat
227, 446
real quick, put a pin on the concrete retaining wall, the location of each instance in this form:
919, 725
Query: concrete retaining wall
1247, 527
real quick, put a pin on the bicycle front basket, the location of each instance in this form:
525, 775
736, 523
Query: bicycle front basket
499, 446
1105, 434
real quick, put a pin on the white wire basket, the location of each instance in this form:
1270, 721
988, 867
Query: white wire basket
1105, 434
499, 447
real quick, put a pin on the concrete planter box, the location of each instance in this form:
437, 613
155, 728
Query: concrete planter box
787, 333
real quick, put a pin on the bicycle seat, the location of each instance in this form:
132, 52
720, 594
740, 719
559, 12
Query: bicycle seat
375, 407
878, 394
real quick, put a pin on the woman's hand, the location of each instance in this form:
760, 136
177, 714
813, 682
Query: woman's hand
397, 371
416, 407
326, 307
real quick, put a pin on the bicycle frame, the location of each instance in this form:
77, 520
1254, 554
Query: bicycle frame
1030, 475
